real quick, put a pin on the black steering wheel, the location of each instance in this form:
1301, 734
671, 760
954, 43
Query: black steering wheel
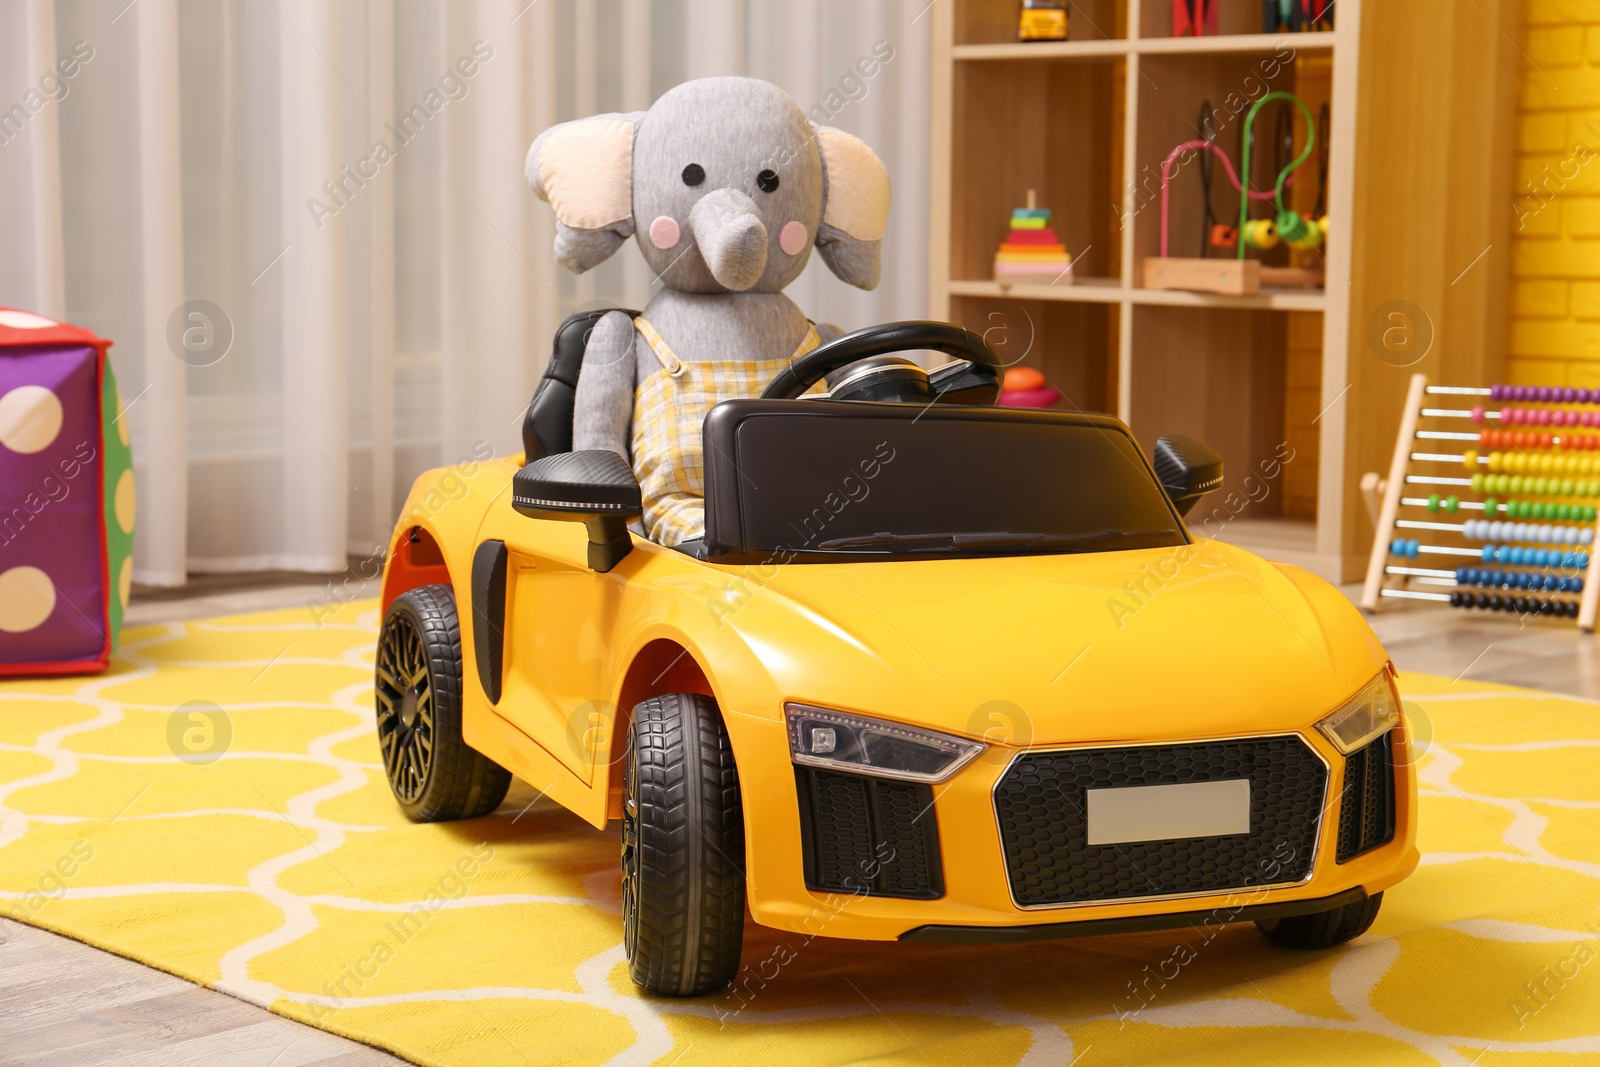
973, 378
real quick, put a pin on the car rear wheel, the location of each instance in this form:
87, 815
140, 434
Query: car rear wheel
1323, 929
682, 848
434, 775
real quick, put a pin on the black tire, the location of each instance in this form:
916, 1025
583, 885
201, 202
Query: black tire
1323, 929
432, 772
682, 848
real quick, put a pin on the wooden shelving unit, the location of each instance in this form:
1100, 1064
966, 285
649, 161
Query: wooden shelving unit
1087, 122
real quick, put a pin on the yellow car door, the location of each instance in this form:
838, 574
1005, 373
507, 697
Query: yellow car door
558, 620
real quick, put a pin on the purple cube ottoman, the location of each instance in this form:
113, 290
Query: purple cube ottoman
66, 499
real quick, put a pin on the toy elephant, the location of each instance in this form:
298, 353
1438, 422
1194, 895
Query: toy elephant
728, 185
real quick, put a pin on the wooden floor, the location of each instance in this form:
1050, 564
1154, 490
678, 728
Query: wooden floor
1489, 647
63, 1004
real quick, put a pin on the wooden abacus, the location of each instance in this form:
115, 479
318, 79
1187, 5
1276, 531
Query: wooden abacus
1524, 459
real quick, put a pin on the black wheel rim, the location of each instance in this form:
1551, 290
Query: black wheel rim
630, 853
405, 708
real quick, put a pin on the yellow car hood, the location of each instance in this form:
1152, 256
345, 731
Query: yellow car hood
1166, 643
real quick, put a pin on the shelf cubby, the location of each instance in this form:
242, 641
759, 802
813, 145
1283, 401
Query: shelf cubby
1218, 374
1072, 342
1171, 115
1087, 123
1033, 127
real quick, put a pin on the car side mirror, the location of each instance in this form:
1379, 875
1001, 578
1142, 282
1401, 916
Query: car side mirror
596, 488
1188, 469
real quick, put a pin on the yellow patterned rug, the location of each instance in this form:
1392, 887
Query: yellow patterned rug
269, 861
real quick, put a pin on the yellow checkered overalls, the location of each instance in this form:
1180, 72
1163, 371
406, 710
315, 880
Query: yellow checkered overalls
669, 408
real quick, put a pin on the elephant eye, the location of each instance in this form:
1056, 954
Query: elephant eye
768, 181
694, 174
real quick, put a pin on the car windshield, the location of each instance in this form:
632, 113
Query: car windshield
867, 481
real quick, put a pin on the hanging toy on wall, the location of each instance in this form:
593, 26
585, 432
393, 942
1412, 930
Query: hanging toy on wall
1240, 275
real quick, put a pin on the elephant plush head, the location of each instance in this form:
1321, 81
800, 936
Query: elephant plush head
726, 183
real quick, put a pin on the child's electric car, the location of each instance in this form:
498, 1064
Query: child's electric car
937, 671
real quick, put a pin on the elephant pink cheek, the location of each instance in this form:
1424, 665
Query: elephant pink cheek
664, 232
792, 238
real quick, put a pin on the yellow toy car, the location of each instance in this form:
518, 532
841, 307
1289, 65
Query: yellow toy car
937, 671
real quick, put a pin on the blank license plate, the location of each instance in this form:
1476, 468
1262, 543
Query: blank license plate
1169, 812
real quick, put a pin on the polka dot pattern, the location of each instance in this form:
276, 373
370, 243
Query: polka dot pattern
124, 505
30, 418
27, 597
25, 320
61, 466
119, 502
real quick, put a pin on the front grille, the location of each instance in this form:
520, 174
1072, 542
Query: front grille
1040, 804
869, 835
1366, 807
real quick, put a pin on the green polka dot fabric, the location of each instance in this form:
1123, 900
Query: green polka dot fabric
119, 501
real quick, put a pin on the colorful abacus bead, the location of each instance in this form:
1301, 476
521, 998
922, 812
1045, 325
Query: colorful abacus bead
1536, 532
1535, 557
1499, 579
1516, 483
1519, 604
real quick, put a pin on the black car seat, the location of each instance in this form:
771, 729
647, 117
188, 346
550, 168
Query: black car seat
547, 427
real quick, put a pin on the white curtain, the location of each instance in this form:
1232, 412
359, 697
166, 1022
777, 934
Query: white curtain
303, 322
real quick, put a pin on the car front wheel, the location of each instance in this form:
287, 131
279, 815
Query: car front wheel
434, 774
682, 848
1323, 929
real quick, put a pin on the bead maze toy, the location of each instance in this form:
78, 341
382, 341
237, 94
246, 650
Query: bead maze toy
1031, 251
1472, 508
1241, 275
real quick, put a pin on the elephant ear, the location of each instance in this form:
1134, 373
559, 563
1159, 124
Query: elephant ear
855, 208
584, 169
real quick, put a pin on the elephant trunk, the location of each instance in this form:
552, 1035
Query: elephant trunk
732, 237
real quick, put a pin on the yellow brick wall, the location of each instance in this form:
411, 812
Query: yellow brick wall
1554, 320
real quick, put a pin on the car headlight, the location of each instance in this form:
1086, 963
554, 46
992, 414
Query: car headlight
819, 737
1373, 712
